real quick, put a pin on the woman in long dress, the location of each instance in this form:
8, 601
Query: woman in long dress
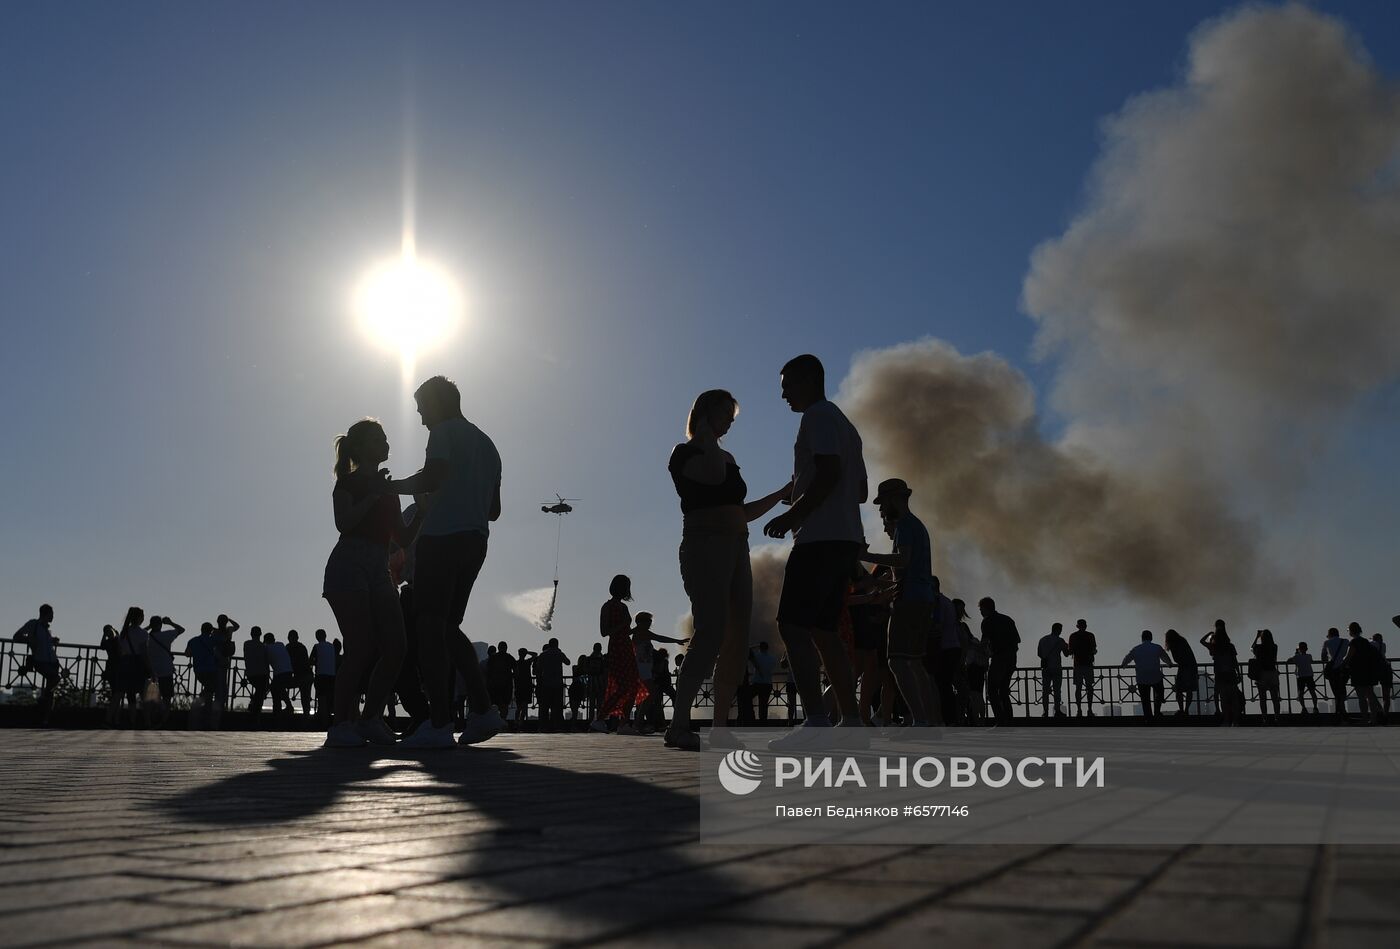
625, 687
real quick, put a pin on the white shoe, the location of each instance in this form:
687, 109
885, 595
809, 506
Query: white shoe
479, 728
807, 737
426, 736
374, 731
343, 735
724, 739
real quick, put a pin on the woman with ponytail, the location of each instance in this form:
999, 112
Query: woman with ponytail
358, 586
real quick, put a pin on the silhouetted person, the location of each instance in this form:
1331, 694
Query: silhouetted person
1307, 685
500, 677
409, 685
578, 688
868, 604
524, 684
714, 564
911, 610
281, 664
1378, 642
1147, 658
1365, 666
256, 669
661, 687
1263, 666
160, 639
1083, 647
597, 680
462, 473
224, 651
132, 670
203, 651
1225, 660
945, 655
625, 688
1334, 652
764, 664
1002, 639
323, 664
643, 637
43, 658
302, 673
976, 660
829, 486
1187, 681
549, 678
1051, 649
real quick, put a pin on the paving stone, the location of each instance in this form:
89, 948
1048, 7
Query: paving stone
106, 918
295, 890
1020, 889
1230, 919
828, 903
321, 922
968, 928
19, 897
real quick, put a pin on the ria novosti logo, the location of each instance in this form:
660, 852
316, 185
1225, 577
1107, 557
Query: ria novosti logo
741, 772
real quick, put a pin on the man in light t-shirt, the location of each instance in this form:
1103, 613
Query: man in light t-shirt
1148, 658
1051, 651
462, 476
829, 486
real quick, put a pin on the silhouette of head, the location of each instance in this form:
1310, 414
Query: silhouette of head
292, 636
502, 647
336, 644
553, 642
1266, 637
254, 633
222, 620
320, 635
960, 608
1354, 629
156, 623
134, 616
582, 658
46, 613
1081, 624
364, 445
1302, 647
206, 628
644, 620
522, 652
1056, 628
803, 382
621, 587
714, 410
1147, 635
1220, 626
269, 639
893, 496
597, 648
438, 399
490, 651
1332, 633
1171, 636
987, 605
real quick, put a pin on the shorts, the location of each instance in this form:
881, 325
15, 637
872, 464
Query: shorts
1083, 675
911, 621
167, 688
445, 570
1187, 680
356, 565
814, 584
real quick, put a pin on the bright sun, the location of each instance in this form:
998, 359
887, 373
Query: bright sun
408, 304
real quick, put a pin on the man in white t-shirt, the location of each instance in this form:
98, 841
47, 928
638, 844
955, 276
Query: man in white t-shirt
462, 476
1148, 658
163, 633
1051, 650
280, 661
829, 486
323, 662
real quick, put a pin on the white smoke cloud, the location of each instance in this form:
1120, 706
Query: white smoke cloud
1227, 296
533, 606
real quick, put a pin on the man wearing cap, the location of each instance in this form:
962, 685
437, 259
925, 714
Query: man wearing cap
911, 612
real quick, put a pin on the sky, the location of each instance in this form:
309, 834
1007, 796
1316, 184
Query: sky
639, 202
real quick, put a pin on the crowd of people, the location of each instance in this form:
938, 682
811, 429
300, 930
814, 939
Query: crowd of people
870, 637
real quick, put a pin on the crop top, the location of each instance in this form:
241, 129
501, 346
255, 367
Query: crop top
696, 495
382, 522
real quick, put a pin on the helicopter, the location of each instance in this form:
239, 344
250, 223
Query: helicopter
561, 507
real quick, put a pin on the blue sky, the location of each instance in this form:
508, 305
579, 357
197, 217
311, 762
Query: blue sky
640, 200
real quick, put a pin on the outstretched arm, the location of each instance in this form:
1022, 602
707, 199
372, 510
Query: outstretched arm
828, 474
756, 509
426, 481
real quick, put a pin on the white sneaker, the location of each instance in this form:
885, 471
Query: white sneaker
343, 735
374, 731
724, 739
479, 728
807, 737
426, 736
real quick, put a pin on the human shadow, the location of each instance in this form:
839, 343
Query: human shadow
597, 846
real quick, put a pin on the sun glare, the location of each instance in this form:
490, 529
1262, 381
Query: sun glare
408, 305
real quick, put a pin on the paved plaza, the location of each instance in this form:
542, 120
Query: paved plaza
120, 838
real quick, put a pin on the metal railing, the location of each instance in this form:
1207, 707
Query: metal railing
1114, 691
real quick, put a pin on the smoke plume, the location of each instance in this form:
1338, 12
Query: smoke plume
1228, 294
535, 607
